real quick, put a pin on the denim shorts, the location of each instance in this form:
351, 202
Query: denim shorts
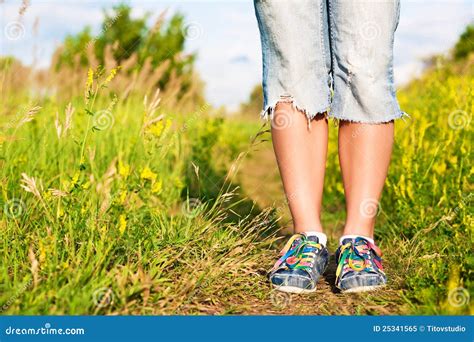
332, 57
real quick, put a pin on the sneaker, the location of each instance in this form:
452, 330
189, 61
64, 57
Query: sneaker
359, 266
303, 260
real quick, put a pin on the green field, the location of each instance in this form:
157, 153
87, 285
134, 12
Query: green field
113, 204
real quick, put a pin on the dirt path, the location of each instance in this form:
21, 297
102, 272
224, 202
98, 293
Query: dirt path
260, 181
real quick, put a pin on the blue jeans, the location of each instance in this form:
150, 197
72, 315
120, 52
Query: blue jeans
330, 56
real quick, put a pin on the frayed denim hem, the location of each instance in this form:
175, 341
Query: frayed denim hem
268, 112
400, 115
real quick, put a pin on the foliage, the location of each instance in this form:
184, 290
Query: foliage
253, 104
96, 217
115, 204
465, 44
127, 36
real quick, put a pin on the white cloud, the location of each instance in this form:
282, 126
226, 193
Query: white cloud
425, 29
229, 32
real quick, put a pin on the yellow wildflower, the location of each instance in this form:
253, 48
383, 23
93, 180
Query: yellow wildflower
157, 128
47, 196
103, 229
440, 168
410, 190
122, 223
74, 181
148, 174
42, 254
111, 76
90, 78
178, 183
453, 160
122, 196
124, 169
157, 186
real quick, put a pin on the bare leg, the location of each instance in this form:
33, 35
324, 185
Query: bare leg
301, 156
364, 155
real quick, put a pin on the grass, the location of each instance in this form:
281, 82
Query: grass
115, 205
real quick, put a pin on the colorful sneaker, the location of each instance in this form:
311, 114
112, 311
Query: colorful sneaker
303, 260
359, 266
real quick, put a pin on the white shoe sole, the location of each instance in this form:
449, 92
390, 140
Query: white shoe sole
363, 289
292, 289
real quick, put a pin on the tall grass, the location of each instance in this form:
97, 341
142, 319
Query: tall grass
116, 204
97, 214
425, 216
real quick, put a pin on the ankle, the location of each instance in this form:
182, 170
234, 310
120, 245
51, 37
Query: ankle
353, 236
309, 226
322, 238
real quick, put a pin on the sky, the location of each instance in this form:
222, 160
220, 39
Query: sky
224, 34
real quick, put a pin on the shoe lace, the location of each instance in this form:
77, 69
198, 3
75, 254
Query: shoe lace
299, 252
357, 260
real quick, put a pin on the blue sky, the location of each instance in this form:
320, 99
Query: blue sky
225, 35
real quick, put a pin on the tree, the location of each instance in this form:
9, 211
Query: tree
253, 106
465, 44
128, 36
122, 31
75, 47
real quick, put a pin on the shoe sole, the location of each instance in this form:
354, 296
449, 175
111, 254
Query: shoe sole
292, 289
363, 289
